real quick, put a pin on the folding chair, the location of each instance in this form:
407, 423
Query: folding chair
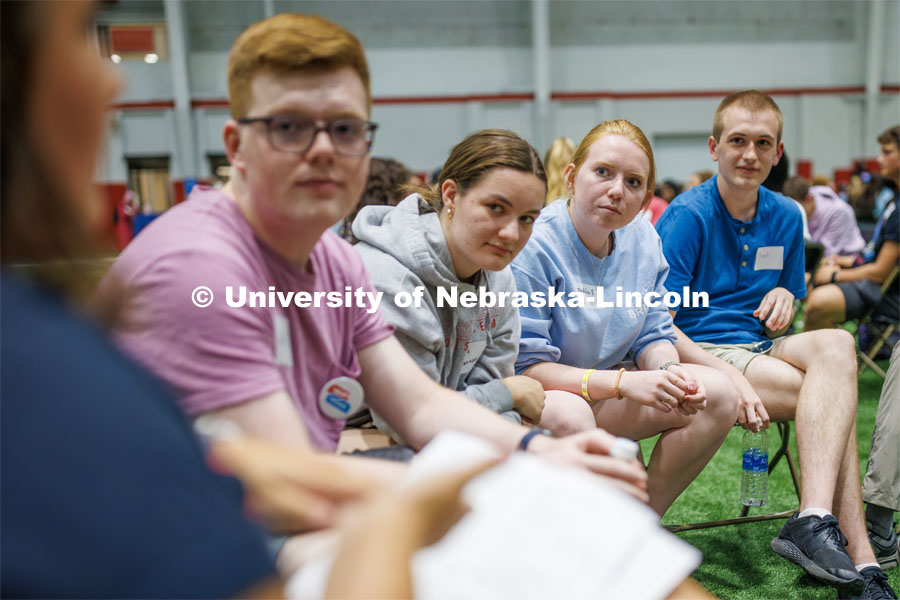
784, 451
880, 326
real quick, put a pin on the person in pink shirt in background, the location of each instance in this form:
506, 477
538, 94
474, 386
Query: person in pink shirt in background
832, 221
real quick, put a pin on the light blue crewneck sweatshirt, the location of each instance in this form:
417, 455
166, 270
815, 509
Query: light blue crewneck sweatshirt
589, 337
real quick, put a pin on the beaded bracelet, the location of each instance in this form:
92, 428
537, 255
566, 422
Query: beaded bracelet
616, 387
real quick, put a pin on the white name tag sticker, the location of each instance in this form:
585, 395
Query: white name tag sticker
474, 350
284, 356
769, 258
589, 292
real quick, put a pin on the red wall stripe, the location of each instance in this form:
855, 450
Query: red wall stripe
147, 105
211, 103
662, 95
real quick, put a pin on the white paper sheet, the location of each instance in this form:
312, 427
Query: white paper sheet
536, 530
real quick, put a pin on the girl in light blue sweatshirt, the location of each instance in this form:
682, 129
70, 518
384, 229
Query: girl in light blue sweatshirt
615, 366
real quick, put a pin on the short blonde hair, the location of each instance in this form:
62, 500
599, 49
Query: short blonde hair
752, 100
290, 43
617, 127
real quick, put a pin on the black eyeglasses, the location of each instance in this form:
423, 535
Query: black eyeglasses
291, 133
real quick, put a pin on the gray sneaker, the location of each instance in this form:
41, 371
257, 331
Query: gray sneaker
886, 550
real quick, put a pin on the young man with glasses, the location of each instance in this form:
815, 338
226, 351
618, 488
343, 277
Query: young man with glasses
743, 245
299, 145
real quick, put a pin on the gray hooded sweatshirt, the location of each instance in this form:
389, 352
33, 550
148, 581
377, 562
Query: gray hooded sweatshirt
464, 349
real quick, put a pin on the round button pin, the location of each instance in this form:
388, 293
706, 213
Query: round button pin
340, 397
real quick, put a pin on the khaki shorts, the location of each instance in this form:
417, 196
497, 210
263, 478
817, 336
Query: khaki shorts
738, 355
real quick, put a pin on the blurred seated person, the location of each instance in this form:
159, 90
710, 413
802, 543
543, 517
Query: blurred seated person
655, 209
845, 291
778, 175
386, 177
881, 484
823, 180
668, 189
832, 221
555, 161
696, 178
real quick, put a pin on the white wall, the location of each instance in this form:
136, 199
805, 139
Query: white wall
427, 49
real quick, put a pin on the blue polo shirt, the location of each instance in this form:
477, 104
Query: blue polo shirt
737, 263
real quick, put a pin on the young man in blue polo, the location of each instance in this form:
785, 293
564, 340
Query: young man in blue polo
743, 245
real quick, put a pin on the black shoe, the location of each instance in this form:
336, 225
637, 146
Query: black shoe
877, 586
816, 545
886, 549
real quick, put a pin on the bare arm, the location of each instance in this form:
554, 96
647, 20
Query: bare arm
418, 408
273, 418
659, 389
842, 261
877, 270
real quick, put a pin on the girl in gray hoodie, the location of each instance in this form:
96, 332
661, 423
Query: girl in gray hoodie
460, 236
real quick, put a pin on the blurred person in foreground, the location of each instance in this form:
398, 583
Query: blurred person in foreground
106, 490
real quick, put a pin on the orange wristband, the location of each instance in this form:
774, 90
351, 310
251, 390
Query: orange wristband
616, 387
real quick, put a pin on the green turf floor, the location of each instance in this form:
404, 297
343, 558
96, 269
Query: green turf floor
737, 560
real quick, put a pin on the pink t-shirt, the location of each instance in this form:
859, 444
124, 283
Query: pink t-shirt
220, 355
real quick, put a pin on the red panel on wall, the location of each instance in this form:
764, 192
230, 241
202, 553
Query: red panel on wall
130, 39
115, 229
842, 176
178, 194
804, 168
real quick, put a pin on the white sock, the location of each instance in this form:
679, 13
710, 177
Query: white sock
818, 512
866, 566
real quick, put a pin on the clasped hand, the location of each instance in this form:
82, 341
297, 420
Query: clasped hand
672, 389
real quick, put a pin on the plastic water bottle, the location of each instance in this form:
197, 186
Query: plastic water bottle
755, 472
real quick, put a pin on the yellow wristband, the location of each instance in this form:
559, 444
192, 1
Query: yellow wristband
584, 385
616, 387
